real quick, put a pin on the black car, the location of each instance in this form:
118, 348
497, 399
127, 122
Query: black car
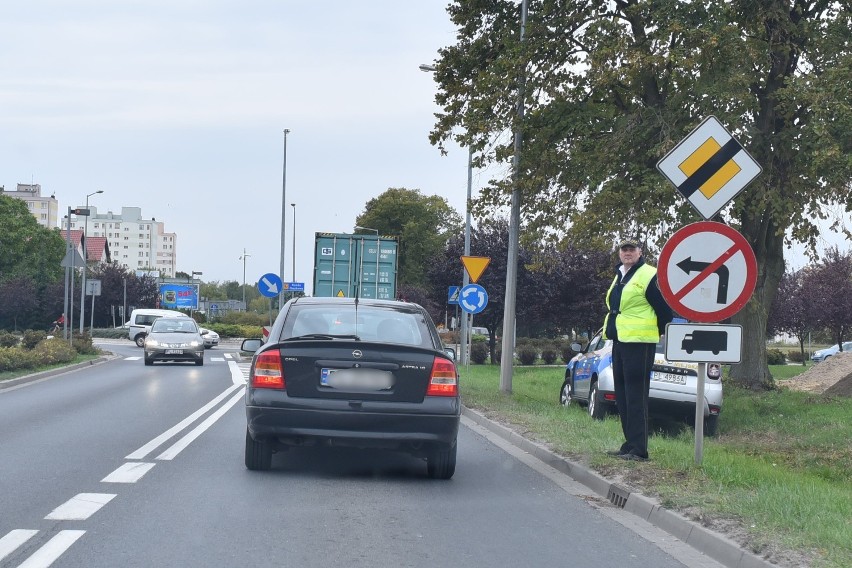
348, 372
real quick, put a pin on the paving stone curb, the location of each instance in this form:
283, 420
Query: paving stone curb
715, 545
53, 372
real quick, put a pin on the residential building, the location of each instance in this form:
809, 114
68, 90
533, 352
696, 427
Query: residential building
44, 209
133, 241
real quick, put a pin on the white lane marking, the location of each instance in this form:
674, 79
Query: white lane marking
80, 507
217, 358
52, 549
135, 358
128, 473
179, 446
15, 538
156, 442
229, 355
238, 374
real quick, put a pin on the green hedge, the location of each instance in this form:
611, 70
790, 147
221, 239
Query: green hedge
45, 352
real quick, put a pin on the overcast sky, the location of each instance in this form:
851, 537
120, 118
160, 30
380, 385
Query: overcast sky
179, 107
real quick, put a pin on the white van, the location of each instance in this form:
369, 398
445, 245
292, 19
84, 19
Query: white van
141, 320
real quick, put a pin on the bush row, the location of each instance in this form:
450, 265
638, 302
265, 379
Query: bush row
46, 352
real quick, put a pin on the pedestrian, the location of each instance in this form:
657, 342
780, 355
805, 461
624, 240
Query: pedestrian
636, 318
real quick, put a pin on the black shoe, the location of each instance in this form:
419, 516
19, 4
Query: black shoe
630, 456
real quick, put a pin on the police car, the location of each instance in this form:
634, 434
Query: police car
588, 380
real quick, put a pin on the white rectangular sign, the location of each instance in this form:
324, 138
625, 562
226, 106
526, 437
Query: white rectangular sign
704, 343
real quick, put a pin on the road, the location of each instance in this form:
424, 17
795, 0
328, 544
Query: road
119, 464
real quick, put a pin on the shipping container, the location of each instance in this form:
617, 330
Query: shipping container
346, 265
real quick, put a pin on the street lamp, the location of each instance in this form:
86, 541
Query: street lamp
243, 258
294, 241
283, 212
86, 263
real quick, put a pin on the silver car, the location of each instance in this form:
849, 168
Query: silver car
588, 379
174, 339
211, 338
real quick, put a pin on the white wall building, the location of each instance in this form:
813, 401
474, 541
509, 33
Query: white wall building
135, 243
44, 209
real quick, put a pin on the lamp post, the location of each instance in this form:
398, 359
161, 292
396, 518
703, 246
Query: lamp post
377, 255
283, 214
464, 345
85, 262
191, 307
294, 241
243, 258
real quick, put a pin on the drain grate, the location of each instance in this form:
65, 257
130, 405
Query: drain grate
618, 495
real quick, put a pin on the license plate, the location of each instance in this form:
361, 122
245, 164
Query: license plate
174, 351
670, 378
356, 379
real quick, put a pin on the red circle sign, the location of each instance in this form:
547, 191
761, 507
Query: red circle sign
707, 272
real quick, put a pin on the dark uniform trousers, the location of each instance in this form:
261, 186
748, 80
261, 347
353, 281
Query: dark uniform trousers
631, 369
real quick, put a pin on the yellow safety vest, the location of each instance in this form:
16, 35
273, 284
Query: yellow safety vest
636, 321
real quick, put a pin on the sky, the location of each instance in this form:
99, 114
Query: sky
179, 107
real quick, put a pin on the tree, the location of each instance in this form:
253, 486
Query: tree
829, 290
791, 311
28, 249
141, 293
612, 87
423, 224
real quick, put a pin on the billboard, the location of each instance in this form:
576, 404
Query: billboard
175, 296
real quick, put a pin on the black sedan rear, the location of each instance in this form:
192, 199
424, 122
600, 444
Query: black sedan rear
341, 372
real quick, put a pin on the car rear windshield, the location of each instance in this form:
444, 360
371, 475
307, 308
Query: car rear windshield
367, 323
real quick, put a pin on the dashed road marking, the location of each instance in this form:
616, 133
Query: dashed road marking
15, 538
53, 549
80, 507
128, 473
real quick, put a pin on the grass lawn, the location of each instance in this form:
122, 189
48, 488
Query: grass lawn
779, 475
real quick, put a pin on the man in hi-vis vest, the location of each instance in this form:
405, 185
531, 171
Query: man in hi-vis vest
636, 318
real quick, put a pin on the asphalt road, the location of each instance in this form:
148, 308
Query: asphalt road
119, 464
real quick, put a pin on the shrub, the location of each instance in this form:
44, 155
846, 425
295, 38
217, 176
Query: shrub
795, 356
549, 353
478, 352
9, 339
527, 354
83, 344
235, 330
775, 357
32, 338
55, 350
15, 358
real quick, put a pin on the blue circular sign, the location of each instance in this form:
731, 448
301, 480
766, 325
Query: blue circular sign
473, 298
270, 285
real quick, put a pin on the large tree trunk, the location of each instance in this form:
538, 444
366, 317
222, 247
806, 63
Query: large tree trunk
753, 372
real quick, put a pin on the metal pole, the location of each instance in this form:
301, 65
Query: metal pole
85, 262
92, 314
68, 275
283, 218
124, 307
507, 357
243, 258
294, 242
463, 343
699, 414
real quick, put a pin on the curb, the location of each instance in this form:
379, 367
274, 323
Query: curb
715, 545
51, 373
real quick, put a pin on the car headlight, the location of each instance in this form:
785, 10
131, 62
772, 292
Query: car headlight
194, 344
151, 343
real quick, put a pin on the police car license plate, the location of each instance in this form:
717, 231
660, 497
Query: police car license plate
670, 378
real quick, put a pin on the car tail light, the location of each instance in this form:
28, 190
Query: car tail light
268, 371
609, 396
444, 380
714, 370
715, 410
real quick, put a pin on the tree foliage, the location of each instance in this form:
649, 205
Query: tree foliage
423, 224
828, 288
792, 311
28, 249
611, 87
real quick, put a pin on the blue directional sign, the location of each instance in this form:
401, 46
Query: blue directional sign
269, 285
453, 295
473, 298
294, 286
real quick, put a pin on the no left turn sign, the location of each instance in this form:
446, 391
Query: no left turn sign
707, 271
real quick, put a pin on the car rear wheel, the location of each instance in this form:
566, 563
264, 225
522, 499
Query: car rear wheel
441, 463
258, 454
140, 340
711, 425
596, 409
149, 362
566, 394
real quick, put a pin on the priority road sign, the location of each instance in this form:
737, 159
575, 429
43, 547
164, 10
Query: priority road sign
707, 271
709, 167
704, 343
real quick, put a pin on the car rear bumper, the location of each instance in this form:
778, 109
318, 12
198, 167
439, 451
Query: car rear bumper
354, 424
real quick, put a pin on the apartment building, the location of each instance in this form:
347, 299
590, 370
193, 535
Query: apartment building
135, 242
44, 209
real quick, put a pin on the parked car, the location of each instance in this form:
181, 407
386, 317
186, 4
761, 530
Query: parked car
824, 354
348, 372
588, 379
211, 338
139, 324
174, 339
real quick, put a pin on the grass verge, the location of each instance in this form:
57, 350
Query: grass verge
778, 477
81, 358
